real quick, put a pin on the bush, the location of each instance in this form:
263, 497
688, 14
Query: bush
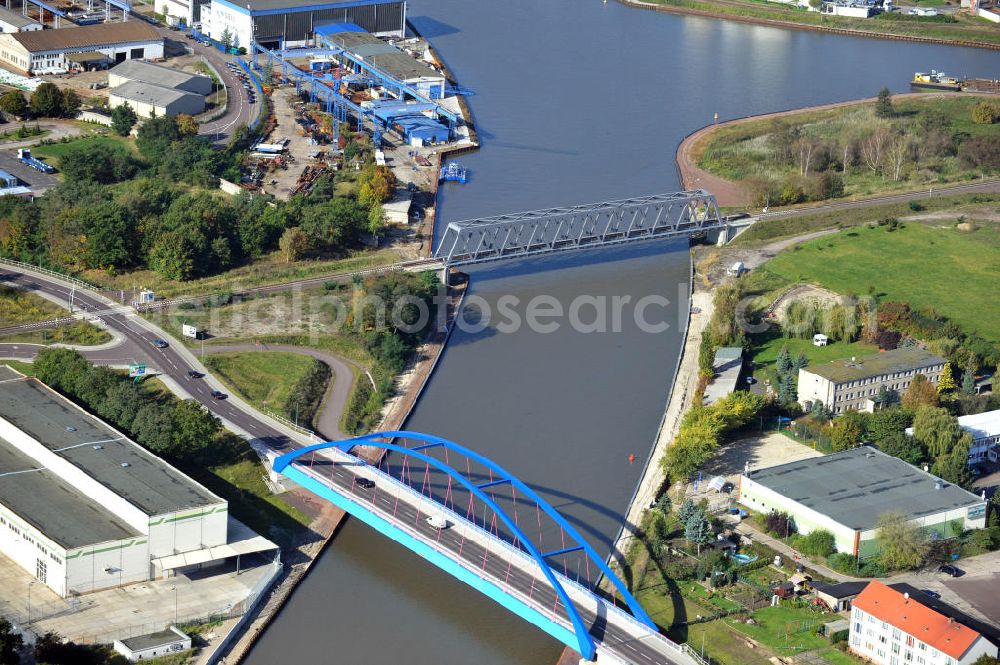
819, 543
916, 206
843, 563
982, 152
778, 524
985, 113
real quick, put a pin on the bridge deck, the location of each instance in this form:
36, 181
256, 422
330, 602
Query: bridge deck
495, 562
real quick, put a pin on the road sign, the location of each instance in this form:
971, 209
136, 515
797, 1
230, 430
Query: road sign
136, 371
189, 331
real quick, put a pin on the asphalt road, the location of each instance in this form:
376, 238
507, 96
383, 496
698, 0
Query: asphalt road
38, 182
137, 347
402, 508
239, 110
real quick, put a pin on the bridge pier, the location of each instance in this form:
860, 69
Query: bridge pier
445, 276
719, 236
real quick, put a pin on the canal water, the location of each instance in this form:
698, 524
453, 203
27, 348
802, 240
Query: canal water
575, 102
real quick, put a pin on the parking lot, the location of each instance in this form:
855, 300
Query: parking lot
38, 182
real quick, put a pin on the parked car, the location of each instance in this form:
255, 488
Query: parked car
365, 483
160, 343
949, 569
218, 394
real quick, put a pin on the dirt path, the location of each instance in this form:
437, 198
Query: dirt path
727, 192
337, 393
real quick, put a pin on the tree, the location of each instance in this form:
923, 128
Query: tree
921, 392
187, 125
883, 105
783, 363
194, 428
847, 431
800, 361
884, 423
786, 388
101, 163
156, 136
10, 644
13, 103
69, 104
664, 504
112, 236
152, 428
947, 381
123, 119
687, 510
968, 381
902, 545
376, 219
60, 368
267, 73
936, 429
47, 100
904, 447
779, 524
226, 38
819, 543
985, 113
293, 243
698, 530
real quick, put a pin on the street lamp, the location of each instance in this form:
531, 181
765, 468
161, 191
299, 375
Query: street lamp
30, 584
174, 589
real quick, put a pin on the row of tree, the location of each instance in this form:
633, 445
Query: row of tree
180, 431
703, 428
47, 101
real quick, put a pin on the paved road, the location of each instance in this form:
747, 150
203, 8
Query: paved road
409, 511
337, 393
239, 111
38, 182
137, 346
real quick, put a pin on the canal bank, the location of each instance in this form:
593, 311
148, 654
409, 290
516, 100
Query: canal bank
794, 25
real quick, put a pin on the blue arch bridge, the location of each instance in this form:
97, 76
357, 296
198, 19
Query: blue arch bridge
470, 517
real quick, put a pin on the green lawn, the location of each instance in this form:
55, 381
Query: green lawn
263, 378
955, 272
765, 352
57, 150
787, 630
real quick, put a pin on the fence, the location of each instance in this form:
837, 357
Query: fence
49, 273
240, 609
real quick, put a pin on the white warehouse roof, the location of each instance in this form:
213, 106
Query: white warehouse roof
166, 77
981, 425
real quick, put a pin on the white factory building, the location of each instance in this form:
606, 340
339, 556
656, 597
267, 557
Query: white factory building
141, 71
82, 507
279, 24
55, 51
11, 21
148, 100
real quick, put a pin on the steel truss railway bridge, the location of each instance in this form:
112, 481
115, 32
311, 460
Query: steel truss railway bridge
679, 214
467, 515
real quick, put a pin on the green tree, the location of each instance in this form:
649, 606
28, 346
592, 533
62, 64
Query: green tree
267, 73
156, 136
226, 38
14, 104
801, 361
194, 428
697, 530
123, 119
819, 543
102, 163
10, 644
69, 103
947, 381
902, 545
47, 101
954, 466
376, 219
153, 427
786, 388
936, 429
112, 236
883, 105
334, 225
60, 368
847, 431
293, 243
173, 256
687, 509
783, 363
968, 382
664, 503
884, 423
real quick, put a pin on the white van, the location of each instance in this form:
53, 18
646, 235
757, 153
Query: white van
438, 522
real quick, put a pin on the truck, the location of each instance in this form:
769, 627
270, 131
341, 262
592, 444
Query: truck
24, 154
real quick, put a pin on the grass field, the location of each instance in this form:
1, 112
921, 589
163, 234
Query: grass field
787, 630
57, 150
955, 272
772, 229
263, 378
766, 147
765, 352
967, 27
18, 307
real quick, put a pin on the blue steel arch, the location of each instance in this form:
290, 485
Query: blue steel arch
585, 643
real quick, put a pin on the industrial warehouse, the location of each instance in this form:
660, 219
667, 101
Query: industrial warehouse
59, 51
278, 24
83, 507
844, 493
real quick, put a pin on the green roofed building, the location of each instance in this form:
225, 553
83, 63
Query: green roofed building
853, 385
846, 492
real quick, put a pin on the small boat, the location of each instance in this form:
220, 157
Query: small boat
454, 172
935, 81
